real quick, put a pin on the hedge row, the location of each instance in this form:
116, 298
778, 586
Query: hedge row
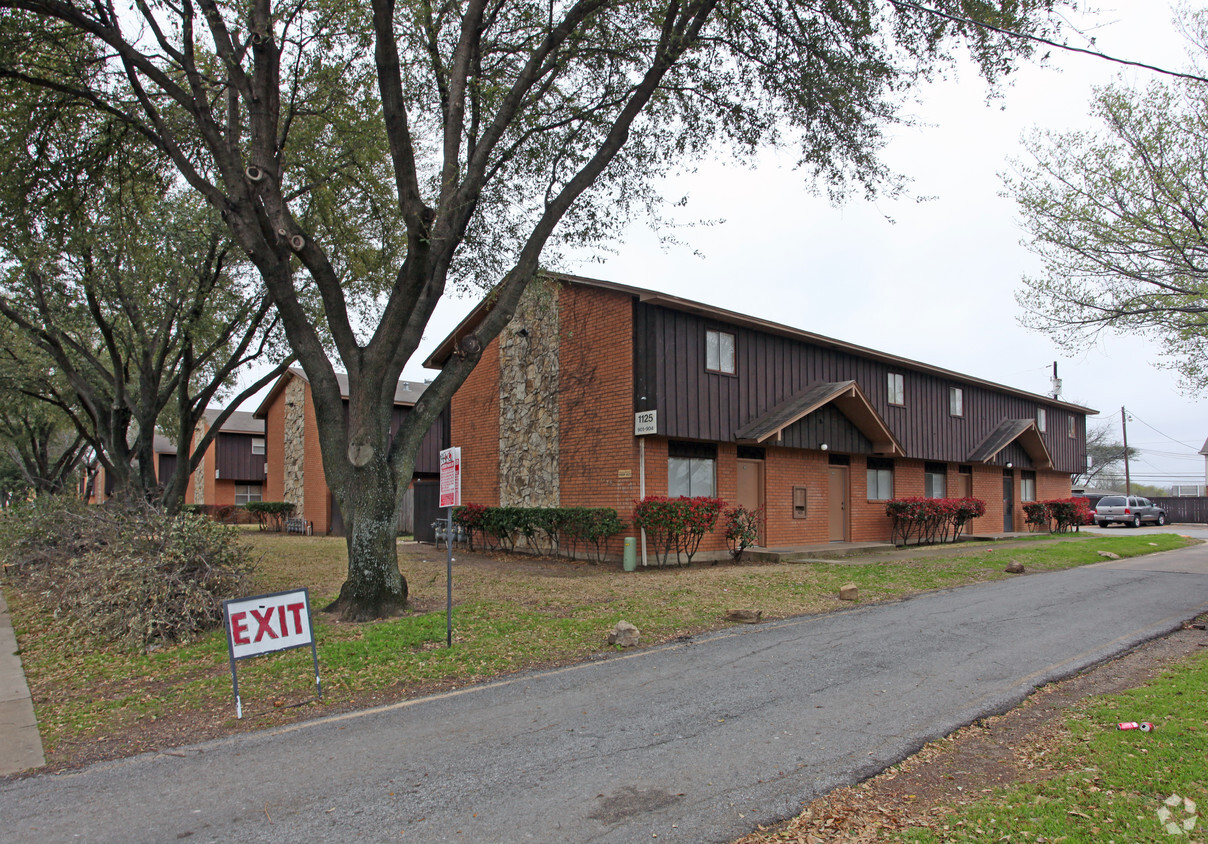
932, 520
1057, 515
676, 524
546, 530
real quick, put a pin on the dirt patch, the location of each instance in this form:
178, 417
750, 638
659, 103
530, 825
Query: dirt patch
923, 789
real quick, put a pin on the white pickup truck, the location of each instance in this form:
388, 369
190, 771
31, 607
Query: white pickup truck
1131, 511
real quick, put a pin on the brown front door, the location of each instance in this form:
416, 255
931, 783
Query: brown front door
838, 504
750, 489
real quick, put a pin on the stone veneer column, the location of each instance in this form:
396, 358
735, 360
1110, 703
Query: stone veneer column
528, 402
294, 449
199, 474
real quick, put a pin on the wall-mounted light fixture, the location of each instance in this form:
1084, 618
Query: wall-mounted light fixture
825, 446
1010, 465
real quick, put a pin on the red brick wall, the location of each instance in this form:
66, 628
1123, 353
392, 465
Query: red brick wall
274, 438
598, 459
318, 497
474, 427
784, 469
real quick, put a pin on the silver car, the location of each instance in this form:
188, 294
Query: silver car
1131, 511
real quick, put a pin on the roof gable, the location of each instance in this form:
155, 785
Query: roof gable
846, 396
1007, 432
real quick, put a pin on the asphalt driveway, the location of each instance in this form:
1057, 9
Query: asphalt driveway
697, 741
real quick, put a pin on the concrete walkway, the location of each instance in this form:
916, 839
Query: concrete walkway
20, 744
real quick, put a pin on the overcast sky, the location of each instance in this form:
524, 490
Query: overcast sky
938, 284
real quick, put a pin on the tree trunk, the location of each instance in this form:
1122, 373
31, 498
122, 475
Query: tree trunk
375, 587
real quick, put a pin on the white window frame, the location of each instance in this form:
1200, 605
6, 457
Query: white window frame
1027, 486
258, 446
243, 494
880, 484
956, 401
694, 466
896, 385
941, 478
1042, 419
720, 351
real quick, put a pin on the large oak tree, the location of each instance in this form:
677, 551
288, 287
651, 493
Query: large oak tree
426, 144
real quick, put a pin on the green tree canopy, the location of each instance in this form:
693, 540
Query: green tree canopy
414, 146
123, 285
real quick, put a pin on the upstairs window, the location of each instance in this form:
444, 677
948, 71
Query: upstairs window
257, 445
897, 389
956, 401
1042, 421
719, 352
1070, 428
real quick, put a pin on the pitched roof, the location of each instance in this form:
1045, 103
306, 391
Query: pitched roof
846, 396
405, 392
437, 359
1007, 432
1204, 450
239, 422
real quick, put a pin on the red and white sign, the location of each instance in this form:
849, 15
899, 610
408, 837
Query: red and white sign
450, 477
268, 623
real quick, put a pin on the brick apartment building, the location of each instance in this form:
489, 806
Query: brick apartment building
818, 432
294, 466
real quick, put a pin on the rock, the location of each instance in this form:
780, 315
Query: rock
1109, 555
1014, 567
745, 616
625, 635
849, 592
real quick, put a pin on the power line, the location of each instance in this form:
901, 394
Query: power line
1028, 37
1156, 431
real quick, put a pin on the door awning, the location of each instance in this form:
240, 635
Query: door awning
848, 399
1008, 431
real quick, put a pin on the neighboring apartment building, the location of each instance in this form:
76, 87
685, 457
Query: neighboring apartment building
230, 473
818, 432
232, 470
294, 466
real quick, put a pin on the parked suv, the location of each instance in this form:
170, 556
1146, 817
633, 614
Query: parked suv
1131, 511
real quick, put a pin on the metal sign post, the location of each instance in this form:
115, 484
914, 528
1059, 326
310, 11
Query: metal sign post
450, 497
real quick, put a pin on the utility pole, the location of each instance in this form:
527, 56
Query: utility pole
1124, 428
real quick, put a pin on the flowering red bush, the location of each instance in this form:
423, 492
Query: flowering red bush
932, 520
1058, 515
676, 523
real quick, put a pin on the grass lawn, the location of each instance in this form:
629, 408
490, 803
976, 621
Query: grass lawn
98, 701
1108, 785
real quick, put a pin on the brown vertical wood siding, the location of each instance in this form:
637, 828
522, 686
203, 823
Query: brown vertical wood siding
234, 459
669, 364
427, 461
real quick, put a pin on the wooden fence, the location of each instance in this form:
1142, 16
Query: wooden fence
1187, 510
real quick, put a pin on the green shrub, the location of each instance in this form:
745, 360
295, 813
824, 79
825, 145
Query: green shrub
1057, 515
742, 529
270, 515
128, 573
932, 520
546, 530
676, 523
